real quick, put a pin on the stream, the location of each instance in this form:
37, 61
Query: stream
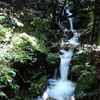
62, 88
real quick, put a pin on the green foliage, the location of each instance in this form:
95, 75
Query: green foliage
5, 34
22, 48
53, 58
82, 63
2, 16
85, 85
91, 14
43, 31
35, 88
6, 79
2, 94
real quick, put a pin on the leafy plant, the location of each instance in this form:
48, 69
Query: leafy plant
2, 16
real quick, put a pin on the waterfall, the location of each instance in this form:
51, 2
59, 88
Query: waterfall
70, 20
64, 65
71, 24
62, 88
67, 11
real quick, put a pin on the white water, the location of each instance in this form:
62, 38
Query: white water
64, 65
69, 13
71, 23
63, 89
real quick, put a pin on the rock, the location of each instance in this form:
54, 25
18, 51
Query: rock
85, 85
78, 64
55, 48
69, 34
59, 34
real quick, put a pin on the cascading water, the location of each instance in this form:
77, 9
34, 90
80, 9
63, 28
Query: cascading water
71, 23
63, 89
64, 65
70, 20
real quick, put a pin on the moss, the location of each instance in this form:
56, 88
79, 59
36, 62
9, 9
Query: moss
85, 85
26, 50
34, 42
55, 48
82, 58
82, 63
53, 58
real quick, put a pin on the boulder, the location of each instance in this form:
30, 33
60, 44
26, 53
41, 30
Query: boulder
55, 48
23, 61
79, 64
85, 85
69, 34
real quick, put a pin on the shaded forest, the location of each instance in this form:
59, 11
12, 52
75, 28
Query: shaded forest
30, 41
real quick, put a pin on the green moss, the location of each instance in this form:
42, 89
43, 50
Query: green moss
82, 58
34, 42
82, 63
85, 85
43, 79
21, 48
53, 58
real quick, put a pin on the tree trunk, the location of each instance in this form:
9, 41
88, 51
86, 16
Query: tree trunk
54, 5
98, 41
46, 7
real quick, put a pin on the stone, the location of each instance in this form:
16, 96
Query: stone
69, 34
85, 85
55, 48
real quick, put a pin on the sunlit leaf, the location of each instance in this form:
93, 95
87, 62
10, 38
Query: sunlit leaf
20, 52
11, 73
2, 94
2, 17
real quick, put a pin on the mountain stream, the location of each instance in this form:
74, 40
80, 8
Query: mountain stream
62, 88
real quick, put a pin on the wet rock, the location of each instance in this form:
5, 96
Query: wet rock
55, 48
61, 53
69, 34
66, 47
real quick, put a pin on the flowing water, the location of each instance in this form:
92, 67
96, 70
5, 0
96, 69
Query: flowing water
62, 88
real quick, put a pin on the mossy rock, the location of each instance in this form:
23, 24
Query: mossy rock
60, 34
82, 58
66, 47
55, 48
23, 61
82, 63
85, 85
34, 42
